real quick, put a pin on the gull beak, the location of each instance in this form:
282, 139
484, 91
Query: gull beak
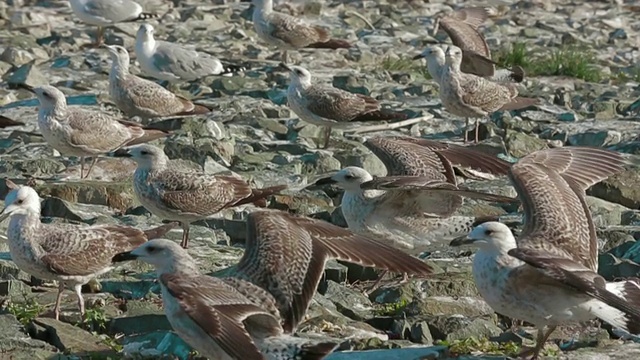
284, 66
461, 240
125, 256
4, 214
27, 87
325, 181
419, 56
120, 153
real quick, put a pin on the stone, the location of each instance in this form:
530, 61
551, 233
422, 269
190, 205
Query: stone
70, 339
348, 302
620, 188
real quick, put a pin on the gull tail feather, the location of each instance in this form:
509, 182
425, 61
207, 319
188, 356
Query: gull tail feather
149, 135
160, 231
258, 196
515, 75
143, 16
197, 110
331, 44
381, 115
629, 291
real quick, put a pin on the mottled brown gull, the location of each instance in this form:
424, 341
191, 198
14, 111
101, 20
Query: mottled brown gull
223, 319
285, 254
289, 32
172, 62
73, 130
103, 13
472, 96
415, 203
177, 194
548, 277
331, 107
71, 254
136, 96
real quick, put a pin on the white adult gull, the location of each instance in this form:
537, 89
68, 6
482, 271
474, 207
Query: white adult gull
549, 275
102, 13
223, 319
172, 62
71, 254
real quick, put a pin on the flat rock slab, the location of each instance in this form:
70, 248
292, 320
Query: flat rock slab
72, 339
15, 341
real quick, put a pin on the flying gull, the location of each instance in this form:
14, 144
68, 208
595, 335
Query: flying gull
136, 96
103, 13
288, 32
176, 194
172, 62
548, 277
416, 202
71, 254
331, 107
226, 318
472, 96
75, 131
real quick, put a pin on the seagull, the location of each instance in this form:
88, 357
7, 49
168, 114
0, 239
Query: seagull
549, 276
331, 107
108, 12
186, 196
73, 130
469, 95
71, 254
172, 62
288, 32
226, 318
136, 96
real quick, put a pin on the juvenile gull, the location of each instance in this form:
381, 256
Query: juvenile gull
172, 62
75, 131
548, 277
285, 254
71, 254
416, 202
108, 12
330, 107
186, 196
472, 96
288, 32
136, 96
222, 319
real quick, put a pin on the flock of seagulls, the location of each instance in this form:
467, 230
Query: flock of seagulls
548, 276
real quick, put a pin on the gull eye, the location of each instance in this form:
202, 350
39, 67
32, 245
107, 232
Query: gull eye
20, 201
488, 232
349, 177
144, 152
151, 249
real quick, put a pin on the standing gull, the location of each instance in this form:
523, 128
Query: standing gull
186, 196
172, 62
472, 96
288, 32
71, 254
330, 107
75, 131
548, 277
416, 202
222, 318
108, 12
136, 96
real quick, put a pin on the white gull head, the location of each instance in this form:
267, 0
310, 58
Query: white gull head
453, 56
165, 255
299, 75
144, 37
490, 236
21, 201
350, 178
119, 57
147, 156
435, 59
50, 98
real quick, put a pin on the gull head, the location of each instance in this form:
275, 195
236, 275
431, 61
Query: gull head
145, 33
165, 255
50, 97
453, 55
349, 178
21, 200
119, 55
147, 156
435, 59
299, 75
491, 235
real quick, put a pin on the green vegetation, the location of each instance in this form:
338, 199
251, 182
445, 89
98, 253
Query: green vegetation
405, 64
391, 309
568, 61
95, 319
27, 310
472, 345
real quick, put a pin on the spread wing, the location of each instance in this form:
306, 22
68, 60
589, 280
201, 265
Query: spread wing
286, 254
551, 185
220, 311
462, 28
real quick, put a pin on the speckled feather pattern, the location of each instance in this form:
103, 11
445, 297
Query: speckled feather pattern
286, 31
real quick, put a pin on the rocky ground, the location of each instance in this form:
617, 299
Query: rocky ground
581, 60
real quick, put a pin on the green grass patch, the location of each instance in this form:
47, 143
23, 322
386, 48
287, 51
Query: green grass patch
27, 310
405, 64
474, 345
391, 309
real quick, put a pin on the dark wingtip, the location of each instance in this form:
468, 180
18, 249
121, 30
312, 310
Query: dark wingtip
517, 74
331, 44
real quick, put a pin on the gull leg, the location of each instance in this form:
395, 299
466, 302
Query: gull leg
466, 128
100, 36
375, 284
78, 290
284, 56
93, 162
541, 339
81, 167
326, 137
477, 123
56, 308
185, 235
